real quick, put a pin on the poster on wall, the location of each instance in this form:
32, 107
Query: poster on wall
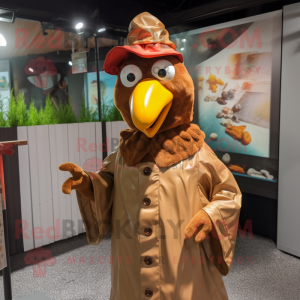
234, 93
107, 84
4, 85
235, 67
4, 82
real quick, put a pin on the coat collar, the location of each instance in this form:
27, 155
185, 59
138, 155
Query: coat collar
164, 149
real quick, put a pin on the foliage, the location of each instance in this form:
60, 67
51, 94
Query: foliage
21, 111
87, 115
109, 112
114, 114
34, 118
16, 113
3, 121
104, 110
65, 114
48, 115
12, 118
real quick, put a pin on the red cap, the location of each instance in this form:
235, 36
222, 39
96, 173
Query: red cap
119, 54
147, 38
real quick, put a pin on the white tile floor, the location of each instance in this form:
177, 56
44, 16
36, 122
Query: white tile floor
270, 275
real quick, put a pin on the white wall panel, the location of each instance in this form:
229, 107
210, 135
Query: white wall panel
87, 153
41, 188
25, 190
115, 136
42, 200
87, 132
99, 152
122, 126
73, 134
113, 130
108, 137
58, 135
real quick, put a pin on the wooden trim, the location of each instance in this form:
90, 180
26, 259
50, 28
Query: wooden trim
18, 143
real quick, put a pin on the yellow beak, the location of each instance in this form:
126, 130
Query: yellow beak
149, 104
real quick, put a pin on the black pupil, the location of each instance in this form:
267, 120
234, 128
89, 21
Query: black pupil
162, 73
131, 77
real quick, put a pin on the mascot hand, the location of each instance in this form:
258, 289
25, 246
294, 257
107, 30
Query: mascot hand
79, 181
200, 224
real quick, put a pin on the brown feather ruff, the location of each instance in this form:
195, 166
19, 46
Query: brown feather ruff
165, 148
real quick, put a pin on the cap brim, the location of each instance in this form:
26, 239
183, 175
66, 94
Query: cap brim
116, 56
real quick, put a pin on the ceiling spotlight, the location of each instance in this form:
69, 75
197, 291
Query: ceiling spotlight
70, 63
79, 25
182, 49
183, 40
7, 15
101, 29
3, 42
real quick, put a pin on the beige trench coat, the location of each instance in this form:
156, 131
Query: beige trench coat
149, 210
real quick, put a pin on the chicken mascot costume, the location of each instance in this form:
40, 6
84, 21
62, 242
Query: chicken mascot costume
171, 205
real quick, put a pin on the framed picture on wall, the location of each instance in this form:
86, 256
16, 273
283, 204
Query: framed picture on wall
107, 85
235, 68
5, 83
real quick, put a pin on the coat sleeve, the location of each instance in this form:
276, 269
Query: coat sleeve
223, 203
96, 215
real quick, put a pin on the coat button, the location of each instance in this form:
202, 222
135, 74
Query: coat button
148, 293
148, 231
148, 260
147, 171
146, 201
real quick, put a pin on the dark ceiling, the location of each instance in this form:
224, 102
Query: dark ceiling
118, 13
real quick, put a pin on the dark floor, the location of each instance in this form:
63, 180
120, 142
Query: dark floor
271, 275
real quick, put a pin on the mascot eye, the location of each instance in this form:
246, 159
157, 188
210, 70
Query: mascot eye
162, 73
163, 70
130, 75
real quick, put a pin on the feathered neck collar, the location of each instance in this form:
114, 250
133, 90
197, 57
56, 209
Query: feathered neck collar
164, 149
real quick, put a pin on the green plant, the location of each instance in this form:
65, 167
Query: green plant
21, 111
114, 114
65, 114
12, 118
109, 112
17, 114
3, 121
34, 118
87, 115
104, 110
49, 114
